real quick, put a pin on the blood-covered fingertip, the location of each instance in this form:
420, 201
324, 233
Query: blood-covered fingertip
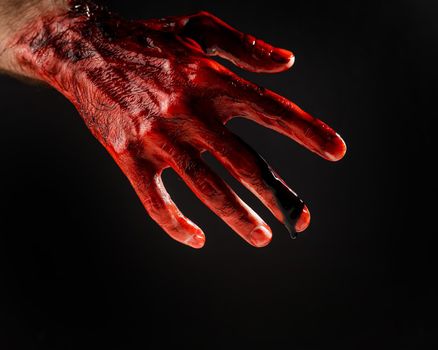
283, 57
303, 220
335, 149
260, 236
196, 241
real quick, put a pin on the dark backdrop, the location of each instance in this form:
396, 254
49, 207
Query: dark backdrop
82, 263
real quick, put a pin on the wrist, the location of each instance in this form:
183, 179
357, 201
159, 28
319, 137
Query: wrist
22, 25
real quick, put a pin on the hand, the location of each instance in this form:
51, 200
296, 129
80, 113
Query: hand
151, 94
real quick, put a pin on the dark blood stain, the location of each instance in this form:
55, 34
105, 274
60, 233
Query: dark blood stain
288, 201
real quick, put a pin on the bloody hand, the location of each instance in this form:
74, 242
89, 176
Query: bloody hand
151, 94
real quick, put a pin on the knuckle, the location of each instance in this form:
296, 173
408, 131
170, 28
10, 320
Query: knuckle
192, 167
227, 209
203, 13
250, 174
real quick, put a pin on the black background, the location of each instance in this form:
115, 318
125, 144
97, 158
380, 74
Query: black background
82, 263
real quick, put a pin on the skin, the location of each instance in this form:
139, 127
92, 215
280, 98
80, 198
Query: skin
151, 93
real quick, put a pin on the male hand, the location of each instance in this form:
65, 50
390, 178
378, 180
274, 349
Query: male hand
151, 93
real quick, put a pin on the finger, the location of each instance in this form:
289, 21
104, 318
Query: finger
147, 182
218, 38
278, 113
249, 168
220, 198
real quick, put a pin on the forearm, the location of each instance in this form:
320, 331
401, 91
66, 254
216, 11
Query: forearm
15, 16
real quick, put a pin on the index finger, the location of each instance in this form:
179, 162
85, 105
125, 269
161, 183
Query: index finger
218, 38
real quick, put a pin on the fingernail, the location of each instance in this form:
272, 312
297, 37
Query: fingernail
282, 56
197, 241
303, 220
336, 149
260, 236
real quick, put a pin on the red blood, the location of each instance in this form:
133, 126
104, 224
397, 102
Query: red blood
151, 94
